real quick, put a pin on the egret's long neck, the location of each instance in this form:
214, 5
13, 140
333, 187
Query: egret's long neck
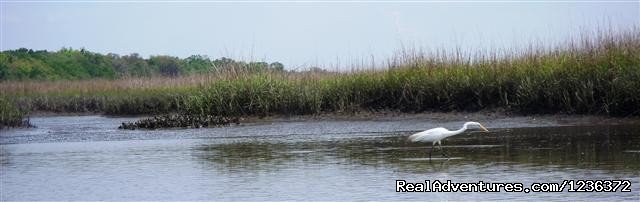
455, 132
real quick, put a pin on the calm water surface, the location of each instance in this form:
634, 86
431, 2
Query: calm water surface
86, 158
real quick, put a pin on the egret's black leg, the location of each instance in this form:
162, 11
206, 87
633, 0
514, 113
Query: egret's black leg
431, 151
443, 152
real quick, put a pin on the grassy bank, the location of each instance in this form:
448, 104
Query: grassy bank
597, 75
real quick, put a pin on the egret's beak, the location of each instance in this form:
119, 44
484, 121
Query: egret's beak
483, 128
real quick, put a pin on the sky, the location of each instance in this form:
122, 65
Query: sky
312, 33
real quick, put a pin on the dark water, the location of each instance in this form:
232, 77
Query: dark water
86, 158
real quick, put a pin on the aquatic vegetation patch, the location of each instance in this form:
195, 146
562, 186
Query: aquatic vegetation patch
180, 121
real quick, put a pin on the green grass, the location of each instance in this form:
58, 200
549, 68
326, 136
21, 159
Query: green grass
595, 76
11, 115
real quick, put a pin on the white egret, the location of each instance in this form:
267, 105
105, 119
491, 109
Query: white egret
435, 135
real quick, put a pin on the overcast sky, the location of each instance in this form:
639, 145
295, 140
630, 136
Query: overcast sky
298, 34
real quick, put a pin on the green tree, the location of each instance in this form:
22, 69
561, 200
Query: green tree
69, 63
166, 65
276, 66
198, 64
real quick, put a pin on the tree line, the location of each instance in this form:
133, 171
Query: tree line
68, 63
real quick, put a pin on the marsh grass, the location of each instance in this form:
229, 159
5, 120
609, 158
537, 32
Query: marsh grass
10, 115
599, 74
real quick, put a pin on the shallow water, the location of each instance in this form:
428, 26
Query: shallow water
87, 158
